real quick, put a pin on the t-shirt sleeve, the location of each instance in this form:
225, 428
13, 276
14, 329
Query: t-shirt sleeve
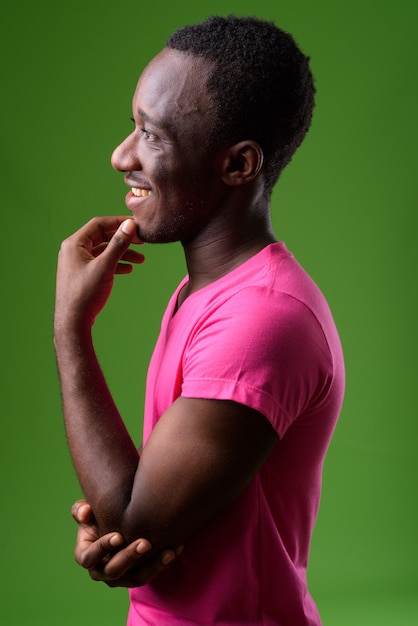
262, 349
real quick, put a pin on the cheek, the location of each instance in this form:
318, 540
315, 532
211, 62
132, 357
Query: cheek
168, 174
183, 174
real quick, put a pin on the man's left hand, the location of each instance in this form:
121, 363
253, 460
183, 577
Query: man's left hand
108, 560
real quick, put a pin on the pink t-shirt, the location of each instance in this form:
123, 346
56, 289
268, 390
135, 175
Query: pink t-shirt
263, 336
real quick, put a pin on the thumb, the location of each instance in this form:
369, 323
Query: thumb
121, 240
128, 227
81, 512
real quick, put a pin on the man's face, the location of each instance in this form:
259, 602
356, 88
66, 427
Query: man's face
165, 159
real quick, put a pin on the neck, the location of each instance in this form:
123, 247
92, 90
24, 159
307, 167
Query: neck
211, 257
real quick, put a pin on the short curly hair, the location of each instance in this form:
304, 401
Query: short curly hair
261, 84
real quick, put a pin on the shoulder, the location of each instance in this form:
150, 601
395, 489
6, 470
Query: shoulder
260, 313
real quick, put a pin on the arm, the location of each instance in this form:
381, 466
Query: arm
84, 283
201, 454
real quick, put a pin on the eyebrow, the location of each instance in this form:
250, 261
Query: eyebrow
149, 119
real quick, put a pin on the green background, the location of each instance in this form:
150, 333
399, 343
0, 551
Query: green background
346, 206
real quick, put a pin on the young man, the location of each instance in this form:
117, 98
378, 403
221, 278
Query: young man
246, 381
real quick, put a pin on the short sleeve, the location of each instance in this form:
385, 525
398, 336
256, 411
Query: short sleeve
261, 348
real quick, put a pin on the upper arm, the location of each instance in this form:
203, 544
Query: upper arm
200, 456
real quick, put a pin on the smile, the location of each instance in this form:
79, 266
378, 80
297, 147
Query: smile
140, 193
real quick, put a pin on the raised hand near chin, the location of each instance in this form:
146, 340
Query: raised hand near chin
109, 560
87, 263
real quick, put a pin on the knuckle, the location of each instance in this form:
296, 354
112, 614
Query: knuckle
118, 240
76, 508
95, 575
94, 221
82, 559
103, 546
64, 246
129, 554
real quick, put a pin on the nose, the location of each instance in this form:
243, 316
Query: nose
125, 156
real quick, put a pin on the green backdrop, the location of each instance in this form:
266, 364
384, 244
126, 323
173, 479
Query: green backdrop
346, 206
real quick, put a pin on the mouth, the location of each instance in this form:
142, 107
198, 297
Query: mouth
140, 192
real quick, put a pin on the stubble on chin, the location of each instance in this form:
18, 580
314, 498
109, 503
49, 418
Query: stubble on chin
179, 225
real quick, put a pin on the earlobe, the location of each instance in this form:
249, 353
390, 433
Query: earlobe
242, 163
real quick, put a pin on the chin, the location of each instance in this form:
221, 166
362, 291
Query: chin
164, 233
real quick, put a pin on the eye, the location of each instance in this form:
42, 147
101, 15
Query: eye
149, 136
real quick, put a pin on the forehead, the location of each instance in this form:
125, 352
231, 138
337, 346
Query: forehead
172, 90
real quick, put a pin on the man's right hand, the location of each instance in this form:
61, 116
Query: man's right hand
108, 560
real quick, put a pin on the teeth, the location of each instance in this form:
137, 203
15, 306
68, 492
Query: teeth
140, 193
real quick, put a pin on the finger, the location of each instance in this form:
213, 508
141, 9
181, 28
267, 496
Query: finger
119, 243
82, 512
126, 558
136, 576
97, 250
149, 571
89, 552
131, 256
179, 550
135, 238
101, 230
124, 266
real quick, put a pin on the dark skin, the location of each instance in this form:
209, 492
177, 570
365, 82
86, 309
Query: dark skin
108, 559
214, 202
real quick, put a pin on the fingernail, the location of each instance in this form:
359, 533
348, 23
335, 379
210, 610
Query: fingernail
83, 511
167, 558
116, 540
128, 227
142, 547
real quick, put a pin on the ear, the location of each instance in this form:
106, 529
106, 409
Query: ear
242, 162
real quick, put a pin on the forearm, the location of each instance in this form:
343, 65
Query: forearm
103, 453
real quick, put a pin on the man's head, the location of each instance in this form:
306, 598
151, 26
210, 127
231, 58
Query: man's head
223, 102
260, 82
176, 179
